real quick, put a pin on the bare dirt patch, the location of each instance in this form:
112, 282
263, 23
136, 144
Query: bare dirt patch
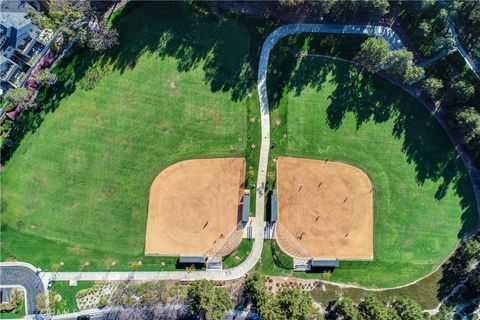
194, 206
327, 207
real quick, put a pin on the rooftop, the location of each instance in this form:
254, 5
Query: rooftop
14, 14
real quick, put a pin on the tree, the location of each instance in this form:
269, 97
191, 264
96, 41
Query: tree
45, 77
102, 303
398, 63
41, 300
424, 29
468, 122
432, 87
460, 91
474, 281
17, 96
100, 38
150, 292
407, 309
295, 304
376, 8
261, 298
68, 16
424, 5
372, 54
374, 309
472, 249
413, 74
72, 18
206, 301
345, 308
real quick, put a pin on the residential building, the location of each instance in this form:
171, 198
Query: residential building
21, 42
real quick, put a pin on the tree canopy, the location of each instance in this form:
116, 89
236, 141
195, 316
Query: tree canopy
472, 248
206, 301
345, 309
374, 309
468, 121
372, 54
285, 305
460, 91
17, 95
432, 87
46, 77
407, 309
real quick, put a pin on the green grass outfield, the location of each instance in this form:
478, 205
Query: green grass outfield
239, 255
76, 188
424, 202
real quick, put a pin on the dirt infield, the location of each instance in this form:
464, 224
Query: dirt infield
327, 207
194, 205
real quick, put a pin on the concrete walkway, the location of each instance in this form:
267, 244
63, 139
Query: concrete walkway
258, 223
429, 61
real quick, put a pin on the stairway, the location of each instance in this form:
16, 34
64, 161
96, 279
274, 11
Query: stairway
223, 248
289, 243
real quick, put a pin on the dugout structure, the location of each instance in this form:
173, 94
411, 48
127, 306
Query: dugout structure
195, 208
325, 210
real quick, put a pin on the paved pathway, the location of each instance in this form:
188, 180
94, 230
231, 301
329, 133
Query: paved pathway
470, 62
258, 223
429, 61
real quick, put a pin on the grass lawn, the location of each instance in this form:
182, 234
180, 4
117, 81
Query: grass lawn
239, 255
424, 202
274, 261
68, 303
178, 87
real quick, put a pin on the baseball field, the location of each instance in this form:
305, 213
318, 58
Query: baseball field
194, 206
423, 198
324, 207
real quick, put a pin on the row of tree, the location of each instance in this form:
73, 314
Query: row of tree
77, 19
466, 15
291, 303
337, 10
427, 25
372, 308
21, 95
375, 55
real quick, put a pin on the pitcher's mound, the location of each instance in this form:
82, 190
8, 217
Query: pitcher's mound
194, 206
325, 210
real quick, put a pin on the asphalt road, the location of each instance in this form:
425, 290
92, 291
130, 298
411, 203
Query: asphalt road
25, 277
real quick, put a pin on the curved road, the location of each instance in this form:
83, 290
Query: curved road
18, 274
258, 223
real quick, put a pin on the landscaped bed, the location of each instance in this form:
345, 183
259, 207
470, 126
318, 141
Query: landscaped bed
66, 295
